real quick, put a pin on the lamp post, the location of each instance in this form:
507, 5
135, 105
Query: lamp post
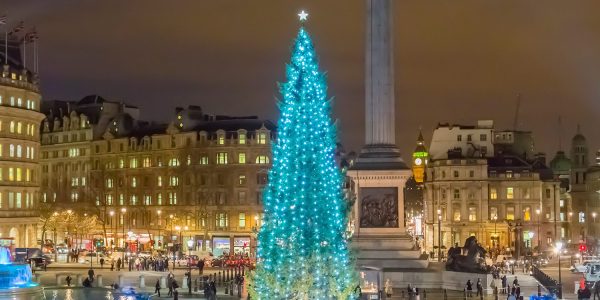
594, 225
112, 220
559, 246
495, 218
530, 234
439, 211
190, 244
158, 212
178, 229
123, 210
539, 244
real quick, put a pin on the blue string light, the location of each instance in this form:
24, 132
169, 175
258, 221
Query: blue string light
303, 252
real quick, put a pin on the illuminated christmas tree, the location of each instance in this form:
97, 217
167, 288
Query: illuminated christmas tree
303, 251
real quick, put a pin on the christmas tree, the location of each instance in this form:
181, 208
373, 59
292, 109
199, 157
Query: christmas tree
303, 250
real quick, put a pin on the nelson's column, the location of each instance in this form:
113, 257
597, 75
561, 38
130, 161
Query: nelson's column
379, 173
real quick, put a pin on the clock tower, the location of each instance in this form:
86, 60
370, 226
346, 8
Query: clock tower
419, 160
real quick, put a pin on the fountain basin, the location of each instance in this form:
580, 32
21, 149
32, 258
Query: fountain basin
16, 284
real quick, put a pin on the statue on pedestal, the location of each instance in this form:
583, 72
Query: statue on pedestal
472, 262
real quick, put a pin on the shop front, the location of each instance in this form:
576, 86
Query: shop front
241, 245
221, 246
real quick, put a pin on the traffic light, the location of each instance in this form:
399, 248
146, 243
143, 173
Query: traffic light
582, 247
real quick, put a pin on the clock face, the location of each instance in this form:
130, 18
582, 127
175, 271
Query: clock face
418, 161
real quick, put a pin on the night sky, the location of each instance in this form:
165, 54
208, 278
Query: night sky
456, 61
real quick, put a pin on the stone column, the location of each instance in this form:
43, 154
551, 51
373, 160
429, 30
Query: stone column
121, 281
142, 281
163, 282
379, 85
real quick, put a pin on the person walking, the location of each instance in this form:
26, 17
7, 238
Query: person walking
119, 261
112, 264
469, 287
479, 287
102, 263
157, 287
201, 263
68, 279
504, 282
170, 284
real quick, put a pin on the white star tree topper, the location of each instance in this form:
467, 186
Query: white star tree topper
303, 16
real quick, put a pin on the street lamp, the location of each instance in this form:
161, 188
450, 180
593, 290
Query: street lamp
559, 246
158, 212
112, 220
439, 211
123, 210
495, 218
537, 212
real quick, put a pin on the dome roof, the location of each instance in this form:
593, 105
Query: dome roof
578, 138
560, 163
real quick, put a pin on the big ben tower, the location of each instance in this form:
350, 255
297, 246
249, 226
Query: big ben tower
419, 160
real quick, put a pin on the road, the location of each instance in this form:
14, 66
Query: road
567, 277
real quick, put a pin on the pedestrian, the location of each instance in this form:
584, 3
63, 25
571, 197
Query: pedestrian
119, 261
68, 279
213, 289
91, 275
102, 263
112, 264
479, 287
189, 282
469, 286
175, 295
518, 291
504, 282
157, 287
516, 281
170, 285
388, 288
201, 263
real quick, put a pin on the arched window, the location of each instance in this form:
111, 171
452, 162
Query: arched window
262, 159
11, 152
12, 126
19, 150
173, 162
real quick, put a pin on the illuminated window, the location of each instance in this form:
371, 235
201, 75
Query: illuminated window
242, 158
242, 222
133, 181
172, 198
509, 174
510, 213
133, 162
173, 162
1, 173
174, 181
242, 180
12, 99
159, 199
527, 213
189, 160
222, 158
11, 174
262, 159
83, 181
472, 213
19, 178
204, 160
159, 181
19, 102
12, 127
147, 200
147, 162
581, 217
121, 199
11, 150
493, 213
242, 138
121, 163
221, 139
493, 193
19, 150
456, 214
133, 200
222, 220
19, 127
262, 138
510, 193
109, 183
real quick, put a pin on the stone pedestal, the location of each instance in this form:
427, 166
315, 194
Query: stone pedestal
99, 282
142, 281
121, 281
184, 284
163, 282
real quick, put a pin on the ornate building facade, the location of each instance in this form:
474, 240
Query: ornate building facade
193, 183
508, 201
19, 150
